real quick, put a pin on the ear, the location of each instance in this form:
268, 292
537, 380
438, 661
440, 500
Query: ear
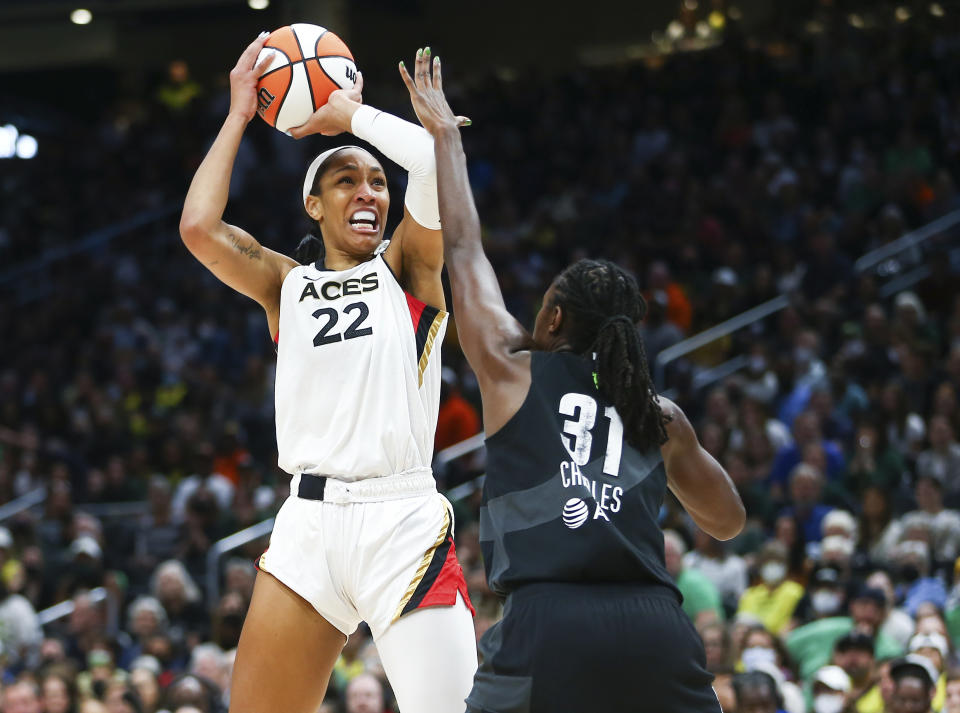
314, 208
556, 320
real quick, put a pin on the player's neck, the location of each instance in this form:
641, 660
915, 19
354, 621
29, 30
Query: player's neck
338, 260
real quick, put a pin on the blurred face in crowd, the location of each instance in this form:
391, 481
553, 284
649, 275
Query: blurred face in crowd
930, 623
365, 695
145, 622
145, 683
953, 697
21, 697
910, 695
806, 428
56, 697
867, 615
928, 496
881, 580
945, 400
758, 648
805, 486
673, 557
756, 699
858, 663
714, 646
874, 504
785, 530
170, 588
941, 433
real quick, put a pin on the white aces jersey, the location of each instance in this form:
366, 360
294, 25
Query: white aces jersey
358, 373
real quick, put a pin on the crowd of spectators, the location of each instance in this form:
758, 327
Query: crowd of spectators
722, 178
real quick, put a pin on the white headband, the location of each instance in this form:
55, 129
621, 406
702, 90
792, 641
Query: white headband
315, 166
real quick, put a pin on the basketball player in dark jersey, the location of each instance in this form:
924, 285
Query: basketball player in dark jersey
580, 454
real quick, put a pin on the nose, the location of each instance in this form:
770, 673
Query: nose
365, 193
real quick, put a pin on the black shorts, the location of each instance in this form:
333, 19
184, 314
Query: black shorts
578, 648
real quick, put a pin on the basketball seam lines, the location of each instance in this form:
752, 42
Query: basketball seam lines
303, 61
329, 77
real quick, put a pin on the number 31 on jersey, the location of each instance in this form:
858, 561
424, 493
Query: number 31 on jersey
578, 435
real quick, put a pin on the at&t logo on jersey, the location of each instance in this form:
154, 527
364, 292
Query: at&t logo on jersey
575, 513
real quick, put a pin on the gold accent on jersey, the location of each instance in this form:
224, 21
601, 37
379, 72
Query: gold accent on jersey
424, 563
431, 336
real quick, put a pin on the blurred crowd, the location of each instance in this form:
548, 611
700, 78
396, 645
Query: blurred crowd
138, 391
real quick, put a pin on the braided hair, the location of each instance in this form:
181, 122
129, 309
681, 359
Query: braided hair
602, 305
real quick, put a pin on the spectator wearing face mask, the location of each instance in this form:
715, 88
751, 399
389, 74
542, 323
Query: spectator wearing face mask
826, 592
764, 652
911, 559
831, 685
774, 599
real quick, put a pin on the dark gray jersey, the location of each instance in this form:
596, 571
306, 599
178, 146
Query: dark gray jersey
566, 499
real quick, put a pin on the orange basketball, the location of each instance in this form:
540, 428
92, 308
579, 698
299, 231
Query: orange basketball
308, 62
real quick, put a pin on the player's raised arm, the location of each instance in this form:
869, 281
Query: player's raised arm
229, 252
488, 333
700, 483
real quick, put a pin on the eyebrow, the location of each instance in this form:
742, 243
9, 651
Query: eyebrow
354, 167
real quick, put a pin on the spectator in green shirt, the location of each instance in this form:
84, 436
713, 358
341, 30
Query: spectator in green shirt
699, 593
811, 645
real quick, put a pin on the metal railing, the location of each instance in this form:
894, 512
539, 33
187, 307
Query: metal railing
876, 259
744, 319
24, 502
65, 608
228, 544
89, 242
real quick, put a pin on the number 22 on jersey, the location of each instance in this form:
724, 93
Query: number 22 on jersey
578, 431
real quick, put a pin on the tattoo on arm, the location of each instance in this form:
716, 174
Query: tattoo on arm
251, 250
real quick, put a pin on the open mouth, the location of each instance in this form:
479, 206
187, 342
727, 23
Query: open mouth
365, 221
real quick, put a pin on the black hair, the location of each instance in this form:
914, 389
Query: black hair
310, 249
602, 304
756, 679
909, 669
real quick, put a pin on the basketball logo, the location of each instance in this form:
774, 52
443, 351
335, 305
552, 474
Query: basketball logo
575, 513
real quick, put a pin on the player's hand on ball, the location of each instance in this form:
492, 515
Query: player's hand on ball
244, 77
426, 94
333, 117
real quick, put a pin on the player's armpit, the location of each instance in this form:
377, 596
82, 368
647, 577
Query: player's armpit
416, 256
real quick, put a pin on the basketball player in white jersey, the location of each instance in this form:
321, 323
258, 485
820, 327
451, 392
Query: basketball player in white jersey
364, 534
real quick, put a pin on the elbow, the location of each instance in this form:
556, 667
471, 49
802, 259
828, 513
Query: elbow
732, 524
192, 229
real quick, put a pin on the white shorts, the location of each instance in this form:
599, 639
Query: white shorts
371, 550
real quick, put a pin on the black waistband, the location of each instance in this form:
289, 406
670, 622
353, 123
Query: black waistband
311, 487
597, 590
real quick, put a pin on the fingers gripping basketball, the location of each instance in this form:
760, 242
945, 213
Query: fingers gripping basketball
305, 64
